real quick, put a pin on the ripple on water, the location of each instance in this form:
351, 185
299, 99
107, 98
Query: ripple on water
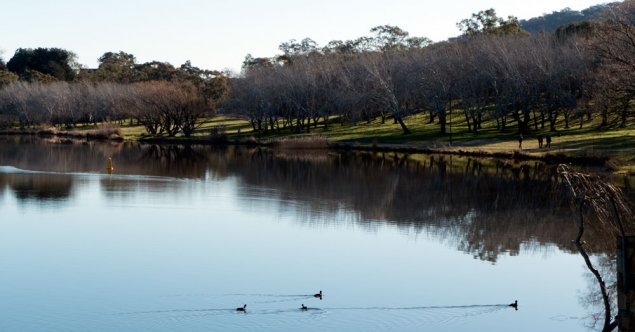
342, 318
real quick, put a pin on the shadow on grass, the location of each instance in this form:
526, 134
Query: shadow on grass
604, 143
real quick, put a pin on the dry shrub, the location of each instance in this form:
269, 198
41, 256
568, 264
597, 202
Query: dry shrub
304, 142
607, 202
250, 141
218, 135
103, 132
47, 131
106, 131
217, 131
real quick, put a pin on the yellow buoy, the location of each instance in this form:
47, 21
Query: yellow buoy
109, 168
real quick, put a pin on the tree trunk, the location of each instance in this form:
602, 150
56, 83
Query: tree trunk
405, 129
542, 120
581, 120
552, 117
526, 120
467, 120
523, 126
479, 119
442, 123
624, 113
605, 116
432, 116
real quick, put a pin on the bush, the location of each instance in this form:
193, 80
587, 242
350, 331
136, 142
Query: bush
304, 142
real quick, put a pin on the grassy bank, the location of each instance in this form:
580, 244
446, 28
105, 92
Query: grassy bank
614, 145
610, 146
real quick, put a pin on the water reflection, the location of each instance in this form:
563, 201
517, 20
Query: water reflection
161, 210
591, 298
485, 207
38, 187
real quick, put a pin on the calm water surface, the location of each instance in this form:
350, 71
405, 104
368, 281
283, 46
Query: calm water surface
178, 237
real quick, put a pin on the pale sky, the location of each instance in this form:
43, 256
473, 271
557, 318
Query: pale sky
218, 34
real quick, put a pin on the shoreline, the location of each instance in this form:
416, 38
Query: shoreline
581, 157
549, 156
87, 134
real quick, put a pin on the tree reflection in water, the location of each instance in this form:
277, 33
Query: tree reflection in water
37, 187
592, 299
602, 206
484, 207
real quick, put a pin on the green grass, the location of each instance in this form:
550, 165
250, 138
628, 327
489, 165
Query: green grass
427, 135
423, 134
614, 142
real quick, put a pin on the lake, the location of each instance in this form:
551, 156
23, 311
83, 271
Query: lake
178, 237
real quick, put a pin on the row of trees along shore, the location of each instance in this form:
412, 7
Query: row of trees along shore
493, 72
45, 86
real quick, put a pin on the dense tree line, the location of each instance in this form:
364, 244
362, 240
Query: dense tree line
44, 86
57, 63
552, 21
495, 72
6, 76
162, 107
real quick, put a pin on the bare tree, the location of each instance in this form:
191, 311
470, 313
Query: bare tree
607, 204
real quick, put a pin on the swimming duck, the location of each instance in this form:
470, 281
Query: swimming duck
318, 295
514, 305
243, 309
303, 307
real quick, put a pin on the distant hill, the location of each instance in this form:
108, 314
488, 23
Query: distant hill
551, 22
